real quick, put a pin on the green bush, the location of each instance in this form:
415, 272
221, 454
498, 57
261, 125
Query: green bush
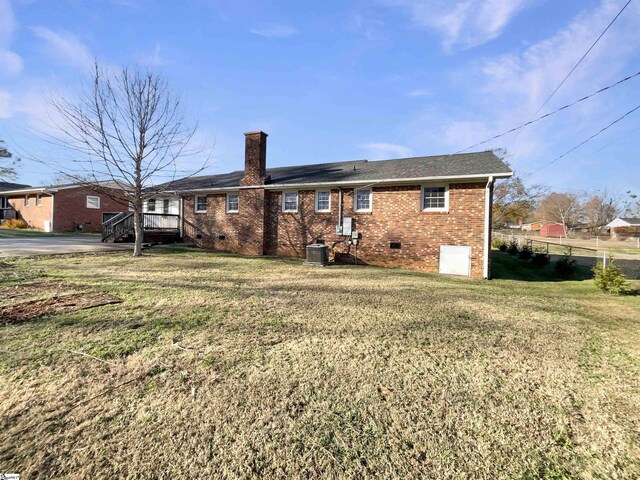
610, 279
499, 244
565, 267
540, 259
513, 248
525, 253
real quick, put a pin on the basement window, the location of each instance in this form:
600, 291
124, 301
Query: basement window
395, 245
221, 237
93, 201
201, 203
233, 202
289, 201
435, 198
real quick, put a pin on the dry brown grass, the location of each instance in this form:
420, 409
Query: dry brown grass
225, 367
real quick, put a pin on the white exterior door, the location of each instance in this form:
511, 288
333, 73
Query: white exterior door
455, 260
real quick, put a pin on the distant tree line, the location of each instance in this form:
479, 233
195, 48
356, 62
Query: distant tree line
517, 203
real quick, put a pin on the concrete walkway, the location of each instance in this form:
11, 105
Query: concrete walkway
50, 245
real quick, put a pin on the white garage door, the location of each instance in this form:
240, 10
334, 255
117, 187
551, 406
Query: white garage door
455, 260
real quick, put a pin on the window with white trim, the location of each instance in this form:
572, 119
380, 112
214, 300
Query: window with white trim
363, 200
131, 206
26, 200
201, 203
38, 200
435, 198
323, 200
151, 205
233, 202
93, 201
289, 201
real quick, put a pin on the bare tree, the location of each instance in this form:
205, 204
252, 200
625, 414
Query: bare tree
598, 210
7, 167
563, 208
514, 201
131, 132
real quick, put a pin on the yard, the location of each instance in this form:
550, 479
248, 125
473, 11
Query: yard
218, 366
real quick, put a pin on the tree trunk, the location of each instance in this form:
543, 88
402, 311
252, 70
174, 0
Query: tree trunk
139, 232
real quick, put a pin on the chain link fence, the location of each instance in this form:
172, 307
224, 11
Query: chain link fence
625, 255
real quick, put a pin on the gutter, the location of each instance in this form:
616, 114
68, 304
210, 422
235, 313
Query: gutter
354, 183
487, 229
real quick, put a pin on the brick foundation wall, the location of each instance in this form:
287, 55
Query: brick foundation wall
69, 209
396, 217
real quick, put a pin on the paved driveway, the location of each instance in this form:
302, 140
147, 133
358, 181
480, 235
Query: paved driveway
47, 245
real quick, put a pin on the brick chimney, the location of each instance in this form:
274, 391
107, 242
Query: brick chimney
255, 158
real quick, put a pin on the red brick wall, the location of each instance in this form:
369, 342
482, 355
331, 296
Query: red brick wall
34, 215
69, 209
396, 217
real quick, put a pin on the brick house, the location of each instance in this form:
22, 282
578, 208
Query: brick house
64, 208
6, 212
425, 213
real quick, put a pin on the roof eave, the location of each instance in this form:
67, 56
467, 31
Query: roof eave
23, 191
352, 183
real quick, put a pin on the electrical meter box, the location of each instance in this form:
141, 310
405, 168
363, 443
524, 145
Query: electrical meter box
347, 226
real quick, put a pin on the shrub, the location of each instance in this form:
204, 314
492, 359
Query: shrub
540, 259
525, 252
565, 267
499, 244
610, 279
15, 223
513, 248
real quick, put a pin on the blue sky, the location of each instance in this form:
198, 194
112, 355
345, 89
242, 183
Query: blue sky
340, 80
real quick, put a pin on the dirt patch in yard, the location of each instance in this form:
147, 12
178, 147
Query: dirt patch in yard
24, 302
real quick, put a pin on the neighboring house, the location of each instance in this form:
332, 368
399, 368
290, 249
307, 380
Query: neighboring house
425, 213
65, 208
531, 227
6, 212
552, 230
624, 227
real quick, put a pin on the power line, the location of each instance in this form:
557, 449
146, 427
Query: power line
551, 113
577, 64
585, 141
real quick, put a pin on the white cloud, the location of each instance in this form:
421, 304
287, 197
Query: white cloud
275, 31
381, 151
419, 92
5, 105
153, 58
463, 23
502, 92
11, 62
65, 47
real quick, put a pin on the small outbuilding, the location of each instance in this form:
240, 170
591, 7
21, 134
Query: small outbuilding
552, 230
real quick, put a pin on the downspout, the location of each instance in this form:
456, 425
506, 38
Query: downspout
339, 206
487, 228
53, 199
181, 217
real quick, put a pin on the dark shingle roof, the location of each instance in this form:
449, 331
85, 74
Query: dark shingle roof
631, 220
11, 186
445, 166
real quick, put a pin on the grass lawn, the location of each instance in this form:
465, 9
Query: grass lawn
29, 232
217, 366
